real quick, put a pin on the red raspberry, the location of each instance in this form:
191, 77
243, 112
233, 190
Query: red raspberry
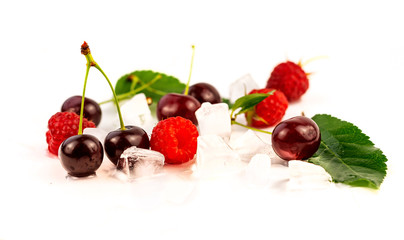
269, 111
176, 139
289, 78
61, 126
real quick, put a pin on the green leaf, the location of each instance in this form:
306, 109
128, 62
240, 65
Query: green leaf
166, 84
227, 101
347, 154
249, 101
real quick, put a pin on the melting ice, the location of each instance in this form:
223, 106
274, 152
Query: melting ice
138, 162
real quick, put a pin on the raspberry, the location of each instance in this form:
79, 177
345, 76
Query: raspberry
176, 139
289, 78
269, 111
61, 126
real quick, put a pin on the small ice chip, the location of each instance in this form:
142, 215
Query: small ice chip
138, 162
258, 170
305, 175
274, 157
241, 87
298, 169
214, 157
248, 145
214, 119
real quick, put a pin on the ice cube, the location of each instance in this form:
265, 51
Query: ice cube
241, 87
248, 145
99, 133
275, 159
138, 162
258, 170
305, 175
214, 119
214, 157
136, 111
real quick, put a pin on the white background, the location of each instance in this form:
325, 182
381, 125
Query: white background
40, 66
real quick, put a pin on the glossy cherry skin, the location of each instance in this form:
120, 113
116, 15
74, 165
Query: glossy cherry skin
204, 92
174, 104
118, 140
297, 138
92, 110
81, 155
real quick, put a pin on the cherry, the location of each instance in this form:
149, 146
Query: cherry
175, 104
92, 110
118, 140
205, 92
296, 138
81, 155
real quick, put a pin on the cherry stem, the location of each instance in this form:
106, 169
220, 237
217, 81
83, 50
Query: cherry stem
190, 71
115, 98
248, 127
82, 101
133, 91
85, 50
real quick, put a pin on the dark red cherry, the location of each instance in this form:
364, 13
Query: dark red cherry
296, 138
81, 155
92, 110
118, 140
204, 92
174, 104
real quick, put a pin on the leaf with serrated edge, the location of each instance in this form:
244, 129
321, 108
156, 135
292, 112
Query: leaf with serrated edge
166, 84
347, 154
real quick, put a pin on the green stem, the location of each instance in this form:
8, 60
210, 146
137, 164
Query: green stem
82, 101
135, 80
85, 50
248, 127
190, 71
134, 91
113, 92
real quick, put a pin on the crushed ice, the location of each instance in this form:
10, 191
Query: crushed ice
241, 87
214, 119
215, 157
258, 170
138, 162
304, 175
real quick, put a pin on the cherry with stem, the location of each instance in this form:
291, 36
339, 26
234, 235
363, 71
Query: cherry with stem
120, 139
203, 92
175, 104
297, 138
81, 155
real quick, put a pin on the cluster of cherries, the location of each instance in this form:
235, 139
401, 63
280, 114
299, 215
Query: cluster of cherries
81, 155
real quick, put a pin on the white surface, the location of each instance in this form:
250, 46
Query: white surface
41, 66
